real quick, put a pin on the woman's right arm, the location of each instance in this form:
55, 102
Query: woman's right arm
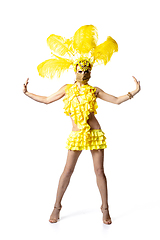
42, 99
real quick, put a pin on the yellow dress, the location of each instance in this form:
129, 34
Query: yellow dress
85, 139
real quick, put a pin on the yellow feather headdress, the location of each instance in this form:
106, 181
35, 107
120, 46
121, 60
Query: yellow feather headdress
81, 49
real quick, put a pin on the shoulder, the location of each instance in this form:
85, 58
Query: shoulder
62, 89
98, 91
67, 87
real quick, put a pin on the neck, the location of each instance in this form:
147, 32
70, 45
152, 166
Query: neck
80, 84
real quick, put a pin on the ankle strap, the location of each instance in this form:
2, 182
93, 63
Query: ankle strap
59, 208
106, 208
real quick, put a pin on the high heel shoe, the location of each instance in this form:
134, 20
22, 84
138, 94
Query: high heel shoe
54, 220
108, 220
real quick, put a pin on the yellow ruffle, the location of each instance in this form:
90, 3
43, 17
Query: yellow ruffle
94, 139
79, 111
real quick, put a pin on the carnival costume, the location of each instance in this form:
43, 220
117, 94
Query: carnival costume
85, 139
81, 50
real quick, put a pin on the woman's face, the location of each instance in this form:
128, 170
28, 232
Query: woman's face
83, 76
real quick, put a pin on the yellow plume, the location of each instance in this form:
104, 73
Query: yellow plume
81, 47
69, 44
85, 39
54, 66
104, 51
59, 45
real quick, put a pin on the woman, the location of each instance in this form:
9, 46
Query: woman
86, 131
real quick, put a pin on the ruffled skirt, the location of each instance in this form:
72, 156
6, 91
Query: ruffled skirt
93, 139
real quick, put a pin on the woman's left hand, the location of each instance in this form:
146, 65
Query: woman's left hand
138, 87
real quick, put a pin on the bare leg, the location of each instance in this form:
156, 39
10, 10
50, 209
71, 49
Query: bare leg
98, 160
64, 182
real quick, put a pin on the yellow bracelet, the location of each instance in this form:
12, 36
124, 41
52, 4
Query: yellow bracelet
130, 95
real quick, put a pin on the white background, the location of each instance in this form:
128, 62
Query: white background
33, 135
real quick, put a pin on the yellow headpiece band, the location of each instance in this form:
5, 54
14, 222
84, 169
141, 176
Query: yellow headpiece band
81, 50
83, 63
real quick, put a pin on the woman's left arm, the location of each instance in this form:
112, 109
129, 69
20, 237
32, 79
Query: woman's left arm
118, 100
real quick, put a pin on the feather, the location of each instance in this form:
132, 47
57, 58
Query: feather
59, 45
83, 45
103, 52
85, 39
69, 44
54, 66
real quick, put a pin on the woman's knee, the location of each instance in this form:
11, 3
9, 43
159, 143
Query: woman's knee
68, 172
99, 172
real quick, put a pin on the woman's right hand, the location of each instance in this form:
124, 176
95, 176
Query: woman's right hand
25, 86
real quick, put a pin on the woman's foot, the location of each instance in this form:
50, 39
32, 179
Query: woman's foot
55, 214
106, 216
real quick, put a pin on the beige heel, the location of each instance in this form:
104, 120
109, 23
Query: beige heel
54, 220
106, 221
